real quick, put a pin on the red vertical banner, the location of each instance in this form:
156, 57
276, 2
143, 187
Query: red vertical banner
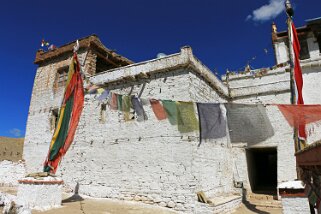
297, 76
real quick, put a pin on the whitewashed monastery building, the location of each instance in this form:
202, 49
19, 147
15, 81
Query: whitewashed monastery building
151, 161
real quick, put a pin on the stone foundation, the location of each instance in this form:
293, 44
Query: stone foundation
40, 194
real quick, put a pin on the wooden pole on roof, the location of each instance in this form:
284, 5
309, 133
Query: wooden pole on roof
289, 12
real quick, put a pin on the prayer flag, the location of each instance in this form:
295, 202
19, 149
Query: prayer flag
104, 95
138, 108
297, 74
69, 116
301, 115
186, 119
212, 123
126, 103
171, 111
248, 123
114, 101
158, 109
120, 102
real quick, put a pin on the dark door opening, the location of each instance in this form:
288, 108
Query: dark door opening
262, 169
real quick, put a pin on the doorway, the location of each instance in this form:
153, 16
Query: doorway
262, 169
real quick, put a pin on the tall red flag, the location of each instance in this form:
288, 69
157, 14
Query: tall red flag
297, 75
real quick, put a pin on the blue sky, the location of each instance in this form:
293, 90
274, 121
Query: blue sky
223, 34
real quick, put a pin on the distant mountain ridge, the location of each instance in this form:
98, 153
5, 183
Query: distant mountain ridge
11, 149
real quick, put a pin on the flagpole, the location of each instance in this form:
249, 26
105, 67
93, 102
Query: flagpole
289, 13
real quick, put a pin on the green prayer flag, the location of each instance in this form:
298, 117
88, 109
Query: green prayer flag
64, 128
126, 107
186, 119
126, 104
171, 111
120, 102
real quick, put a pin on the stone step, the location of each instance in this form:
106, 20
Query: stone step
261, 197
263, 200
220, 200
261, 203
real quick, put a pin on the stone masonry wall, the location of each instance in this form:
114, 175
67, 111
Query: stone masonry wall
44, 99
277, 82
11, 172
151, 161
295, 205
146, 161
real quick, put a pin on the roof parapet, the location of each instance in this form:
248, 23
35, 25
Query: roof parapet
86, 43
167, 63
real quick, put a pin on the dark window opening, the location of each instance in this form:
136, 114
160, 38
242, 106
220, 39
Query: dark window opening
102, 65
304, 53
102, 117
54, 118
262, 169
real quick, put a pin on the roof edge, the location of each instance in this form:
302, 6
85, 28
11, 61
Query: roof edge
85, 43
138, 70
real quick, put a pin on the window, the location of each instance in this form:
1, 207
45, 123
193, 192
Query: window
103, 65
61, 77
54, 119
102, 116
304, 53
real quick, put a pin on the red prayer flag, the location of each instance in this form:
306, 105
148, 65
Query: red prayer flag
158, 109
301, 115
297, 75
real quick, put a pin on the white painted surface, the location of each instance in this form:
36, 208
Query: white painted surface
291, 185
151, 161
295, 205
281, 52
147, 161
40, 196
11, 172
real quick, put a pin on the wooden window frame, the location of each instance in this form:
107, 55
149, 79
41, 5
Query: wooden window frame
61, 77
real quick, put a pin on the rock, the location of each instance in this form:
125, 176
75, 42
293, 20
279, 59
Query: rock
137, 198
180, 206
181, 199
162, 204
171, 204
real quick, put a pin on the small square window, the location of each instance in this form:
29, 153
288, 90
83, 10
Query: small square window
61, 77
304, 53
54, 119
102, 116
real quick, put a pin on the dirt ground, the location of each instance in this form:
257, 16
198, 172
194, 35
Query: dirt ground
83, 205
79, 205
245, 209
112, 207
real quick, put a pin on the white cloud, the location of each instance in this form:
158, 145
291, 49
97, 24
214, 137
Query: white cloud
248, 17
16, 132
267, 11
